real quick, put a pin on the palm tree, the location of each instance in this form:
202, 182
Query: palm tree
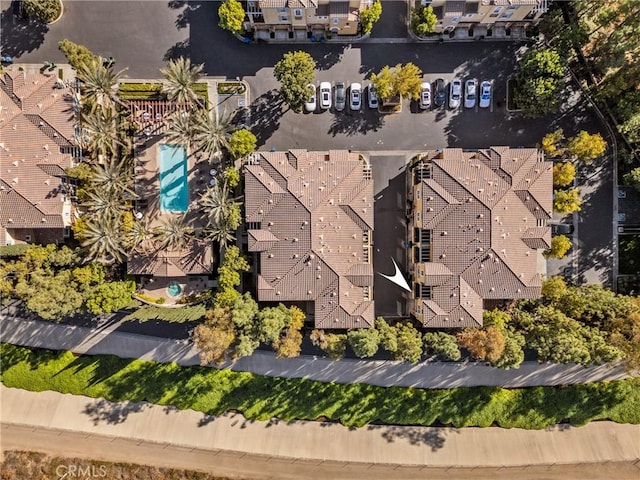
180, 128
114, 177
181, 80
98, 82
139, 236
104, 203
222, 234
210, 133
103, 240
173, 233
216, 202
101, 128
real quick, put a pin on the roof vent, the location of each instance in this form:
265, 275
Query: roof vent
309, 292
44, 220
271, 255
10, 220
278, 292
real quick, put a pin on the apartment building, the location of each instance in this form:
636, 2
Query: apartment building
466, 14
310, 221
478, 227
37, 130
301, 19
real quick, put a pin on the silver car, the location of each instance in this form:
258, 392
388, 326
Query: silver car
485, 94
470, 93
455, 93
373, 98
341, 96
355, 96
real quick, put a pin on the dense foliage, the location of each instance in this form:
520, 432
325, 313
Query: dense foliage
402, 80
295, 71
370, 15
45, 11
54, 282
423, 20
231, 13
539, 82
215, 392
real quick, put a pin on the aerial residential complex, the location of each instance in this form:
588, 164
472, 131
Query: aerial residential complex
37, 122
310, 219
478, 225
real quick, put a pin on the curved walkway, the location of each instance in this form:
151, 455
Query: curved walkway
138, 423
107, 340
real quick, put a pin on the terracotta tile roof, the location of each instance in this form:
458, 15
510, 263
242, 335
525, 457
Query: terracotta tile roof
314, 210
486, 211
37, 131
196, 258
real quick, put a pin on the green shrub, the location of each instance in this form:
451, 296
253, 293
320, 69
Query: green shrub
229, 88
147, 313
13, 250
44, 10
216, 391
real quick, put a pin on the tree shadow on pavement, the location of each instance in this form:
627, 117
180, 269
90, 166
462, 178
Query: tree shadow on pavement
265, 114
355, 123
103, 411
183, 19
180, 49
20, 36
433, 437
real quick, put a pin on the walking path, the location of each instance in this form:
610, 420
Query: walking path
107, 340
595, 443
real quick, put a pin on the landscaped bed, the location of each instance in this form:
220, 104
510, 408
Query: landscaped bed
217, 391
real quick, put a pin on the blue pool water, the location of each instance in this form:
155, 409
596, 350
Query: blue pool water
174, 289
174, 192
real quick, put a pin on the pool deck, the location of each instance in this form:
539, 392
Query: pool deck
147, 183
157, 287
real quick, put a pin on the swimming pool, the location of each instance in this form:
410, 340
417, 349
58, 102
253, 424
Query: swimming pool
174, 192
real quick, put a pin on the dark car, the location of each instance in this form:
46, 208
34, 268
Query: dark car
562, 229
440, 93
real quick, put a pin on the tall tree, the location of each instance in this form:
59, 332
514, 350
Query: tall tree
295, 71
98, 82
180, 128
567, 201
485, 344
210, 133
103, 240
560, 245
585, 146
242, 143
231, 15
174, 232
564, 174
114, 177
75, 54
181, 77
443, 345
364, 341
100, 127
370, 15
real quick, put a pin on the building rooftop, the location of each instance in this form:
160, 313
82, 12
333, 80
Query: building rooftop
310, 217
481, 218
37, 134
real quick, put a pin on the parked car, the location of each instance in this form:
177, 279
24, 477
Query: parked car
373, 97
341, 96
470, 93
310, 104
455, 93
325, 95
562, 229
440, 93
425, 95
485, 94
355, 96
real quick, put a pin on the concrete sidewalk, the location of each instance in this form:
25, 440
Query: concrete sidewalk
107, 340
596, 443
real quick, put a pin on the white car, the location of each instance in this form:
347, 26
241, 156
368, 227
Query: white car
325, 95
355, 96
470, 93
425, 95
310, 104
485, 94
373, 98
455, 93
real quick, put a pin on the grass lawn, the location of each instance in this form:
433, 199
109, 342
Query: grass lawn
39, 465
144, 313
215, 391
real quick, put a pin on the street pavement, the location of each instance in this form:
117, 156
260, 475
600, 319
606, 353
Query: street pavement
108, 341
595, 443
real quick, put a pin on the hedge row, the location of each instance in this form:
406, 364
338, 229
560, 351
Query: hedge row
13, 250
215, 391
